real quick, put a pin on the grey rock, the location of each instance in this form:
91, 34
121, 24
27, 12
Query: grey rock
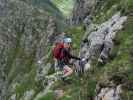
82, 9
100, 42
109, 93
23, 39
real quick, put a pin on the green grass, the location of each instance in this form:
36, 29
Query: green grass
26, 83
49, 96
66, 6
109, 7
76, 33
48, 6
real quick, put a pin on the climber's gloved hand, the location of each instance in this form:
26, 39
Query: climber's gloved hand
39, 62
83, 59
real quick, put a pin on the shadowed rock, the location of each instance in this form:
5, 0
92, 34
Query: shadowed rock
100, 42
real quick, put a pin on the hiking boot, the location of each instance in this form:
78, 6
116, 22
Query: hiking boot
66, 80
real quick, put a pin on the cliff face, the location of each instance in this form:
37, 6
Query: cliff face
24, 32
82, 9
101, 31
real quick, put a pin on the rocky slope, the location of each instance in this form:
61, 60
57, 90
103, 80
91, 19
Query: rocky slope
107, 42
82, 9
25, 30
101, 31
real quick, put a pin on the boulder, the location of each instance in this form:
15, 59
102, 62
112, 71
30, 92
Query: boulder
100, 42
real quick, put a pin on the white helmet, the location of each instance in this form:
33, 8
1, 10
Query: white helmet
67, 40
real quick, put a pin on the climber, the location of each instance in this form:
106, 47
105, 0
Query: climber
61, 53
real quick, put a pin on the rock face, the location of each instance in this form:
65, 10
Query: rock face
27, 30
100, 42
109, 93
82, 9
24, 32
111, 89
47, 82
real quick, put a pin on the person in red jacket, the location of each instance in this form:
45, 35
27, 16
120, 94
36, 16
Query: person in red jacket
63, 56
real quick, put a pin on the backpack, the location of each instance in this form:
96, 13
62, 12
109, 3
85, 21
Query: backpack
57, 51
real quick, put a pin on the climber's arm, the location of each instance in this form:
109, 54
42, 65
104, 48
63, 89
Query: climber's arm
72, 56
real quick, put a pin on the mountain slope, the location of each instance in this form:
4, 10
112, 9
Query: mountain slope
24, 32
26, 64
119, 64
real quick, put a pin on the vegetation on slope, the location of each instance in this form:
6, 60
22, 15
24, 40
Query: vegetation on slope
21, 65
65, 6
121, 60
106, 8
83, 87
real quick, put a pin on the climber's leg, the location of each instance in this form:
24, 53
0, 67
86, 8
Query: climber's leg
67, 71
